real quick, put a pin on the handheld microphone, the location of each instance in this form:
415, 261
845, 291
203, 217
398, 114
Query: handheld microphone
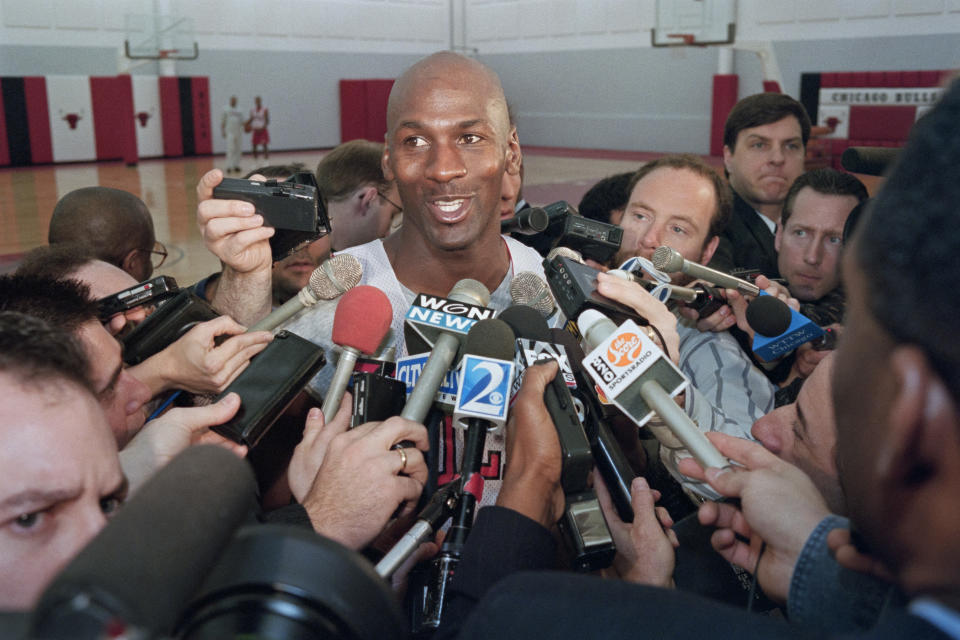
612, 463
778, 328
669, 260
485, 379
444, 352
527, 288
440, 507
360, 323
528, 222
145, 565
335, 276
659, 290
564, 252
637, 377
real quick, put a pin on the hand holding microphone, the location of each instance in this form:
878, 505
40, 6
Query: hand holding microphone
360, 323
335, 276
637, 377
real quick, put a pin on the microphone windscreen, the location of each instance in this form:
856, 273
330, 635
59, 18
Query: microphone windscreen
151, 558
530, 289
362, 319
336, 275
470, 291
667, 259
768, 316
526, 322
564, 252
491, 338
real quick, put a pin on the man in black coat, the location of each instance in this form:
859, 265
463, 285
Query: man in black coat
764, 143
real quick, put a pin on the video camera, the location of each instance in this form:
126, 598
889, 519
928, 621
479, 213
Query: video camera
593, 239
294, 208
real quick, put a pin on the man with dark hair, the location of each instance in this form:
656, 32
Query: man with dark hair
115, 224
764, 143
606, 198
60, 477
362, 204
67, 304
809, 236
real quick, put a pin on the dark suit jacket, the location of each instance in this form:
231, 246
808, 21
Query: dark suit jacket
563, 605
746, 243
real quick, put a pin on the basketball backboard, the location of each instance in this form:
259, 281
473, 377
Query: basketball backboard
694, 22
159, 37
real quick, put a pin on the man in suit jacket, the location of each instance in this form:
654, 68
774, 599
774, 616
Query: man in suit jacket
764, 143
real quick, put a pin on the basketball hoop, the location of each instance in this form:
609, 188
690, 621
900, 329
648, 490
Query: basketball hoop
689, 40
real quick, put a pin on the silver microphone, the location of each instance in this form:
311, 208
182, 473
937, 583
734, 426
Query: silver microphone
670, 261
333, 278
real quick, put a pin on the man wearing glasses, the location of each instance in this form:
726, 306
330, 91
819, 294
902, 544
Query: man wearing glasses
361, 203
116, 225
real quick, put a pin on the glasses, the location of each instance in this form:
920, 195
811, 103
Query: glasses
398, 207
157, 255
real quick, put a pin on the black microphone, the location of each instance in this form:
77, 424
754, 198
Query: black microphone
617, 472
779, 330
141, 570
440, 507
528, 222
583, 525
482, 404
871, 161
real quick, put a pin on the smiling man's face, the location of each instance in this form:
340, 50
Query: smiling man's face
448, 146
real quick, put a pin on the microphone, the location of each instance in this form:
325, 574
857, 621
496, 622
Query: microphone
440, 507
336, 275
360, 323
659, 290
616, 470
670, 261
872, 161
528, 222
636, 376
564, 252
145, 565
485, 379
527, 288
444, 352
778, 328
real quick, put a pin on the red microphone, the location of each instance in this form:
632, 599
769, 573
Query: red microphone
361, 321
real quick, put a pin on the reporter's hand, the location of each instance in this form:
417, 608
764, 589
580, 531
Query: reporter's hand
232, 229
531, 479
161, 439
196, 364
309, 454
639, 299
362, 481
779, 505
720, 320
645, 547
847, 555
739, 302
